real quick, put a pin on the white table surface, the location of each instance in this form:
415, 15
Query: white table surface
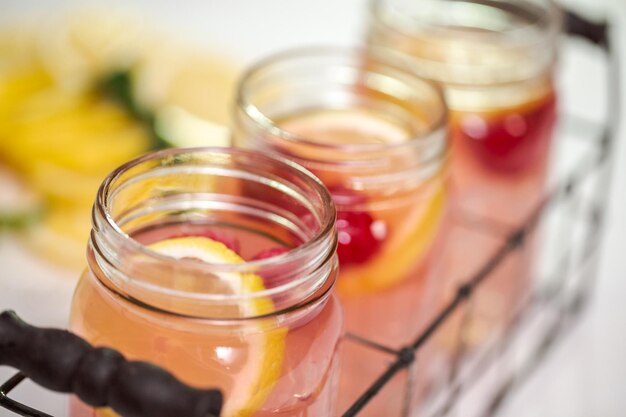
585, 375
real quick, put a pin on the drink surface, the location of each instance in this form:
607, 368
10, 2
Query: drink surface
347, 126
274, 365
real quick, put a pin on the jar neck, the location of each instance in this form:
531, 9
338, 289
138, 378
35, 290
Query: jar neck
470, 42
402, 117
213, 187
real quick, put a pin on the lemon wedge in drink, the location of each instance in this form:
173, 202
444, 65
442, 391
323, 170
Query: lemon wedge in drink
254, 382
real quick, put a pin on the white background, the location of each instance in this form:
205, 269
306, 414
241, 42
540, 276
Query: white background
585, 375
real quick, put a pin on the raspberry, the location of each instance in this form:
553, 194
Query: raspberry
359, 235
356, 235
513, 141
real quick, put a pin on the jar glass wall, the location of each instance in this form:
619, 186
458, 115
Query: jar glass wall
192, 268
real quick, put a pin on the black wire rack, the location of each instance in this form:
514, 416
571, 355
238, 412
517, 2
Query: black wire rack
573, 212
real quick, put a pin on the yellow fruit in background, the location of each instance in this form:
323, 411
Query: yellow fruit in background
66, 144
17, 84
201, 83
77, 48
63, 136
63, 144
17, 45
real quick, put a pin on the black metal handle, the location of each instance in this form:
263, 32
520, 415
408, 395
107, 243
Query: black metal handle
101, 377
577, 25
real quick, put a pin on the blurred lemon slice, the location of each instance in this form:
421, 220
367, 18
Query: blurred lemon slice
17, 45
66, 144
75, 48
64, 138
201, 83
17, 84
265, 353
181, 129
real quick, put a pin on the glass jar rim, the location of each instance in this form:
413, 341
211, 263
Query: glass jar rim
383, 57
552, 16
102, 218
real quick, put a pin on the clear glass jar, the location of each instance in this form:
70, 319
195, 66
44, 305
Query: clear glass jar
495, 60
218, 265
376, 136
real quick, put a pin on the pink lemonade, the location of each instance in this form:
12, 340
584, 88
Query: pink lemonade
264, 327
382, 157
501, 156
499, 170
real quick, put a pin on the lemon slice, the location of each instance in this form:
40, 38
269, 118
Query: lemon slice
264, 361
182, 129
58, 139
198, 81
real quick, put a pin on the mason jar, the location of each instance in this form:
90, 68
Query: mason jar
377, 138
217, 264
495, 60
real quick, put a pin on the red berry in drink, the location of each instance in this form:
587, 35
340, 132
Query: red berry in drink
510, 141
359, 235
358, 240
